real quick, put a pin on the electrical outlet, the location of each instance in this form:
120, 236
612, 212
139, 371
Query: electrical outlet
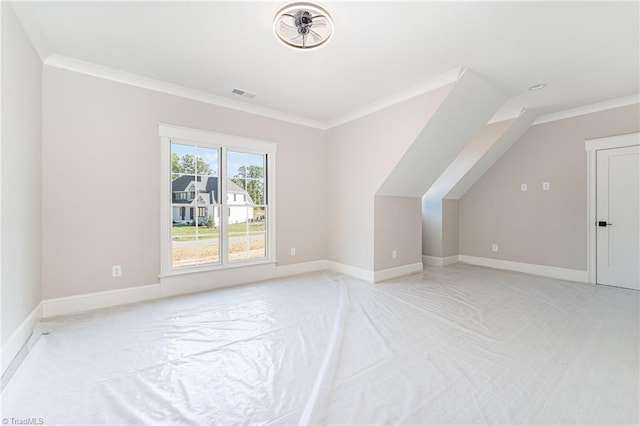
293, 251
394, 254
546, 186
116, 271
524, 187
494, 248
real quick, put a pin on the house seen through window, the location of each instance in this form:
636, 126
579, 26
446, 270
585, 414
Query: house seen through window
218, 205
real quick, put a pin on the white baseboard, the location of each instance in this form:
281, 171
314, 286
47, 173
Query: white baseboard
341, 268
439, 261
432, 261
206, 280
181, 284
545, 271
450, 260
103, 299
387, 274
203, 282
191, 283
20, 336
301, 268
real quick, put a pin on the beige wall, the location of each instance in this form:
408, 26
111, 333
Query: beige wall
396, 221
431, 226
100, 191
21, 174
439, 204
439, 227
539, 227
449, 228
101, 173
360, 156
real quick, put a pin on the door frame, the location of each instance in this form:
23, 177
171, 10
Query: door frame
592, 146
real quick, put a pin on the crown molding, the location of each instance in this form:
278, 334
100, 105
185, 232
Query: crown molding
63, 62
94, 70
434, 83
588, 109
507, 114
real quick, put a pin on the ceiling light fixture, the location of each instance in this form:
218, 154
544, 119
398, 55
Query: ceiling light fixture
538, 86
303, 25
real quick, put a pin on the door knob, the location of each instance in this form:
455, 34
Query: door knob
604, 223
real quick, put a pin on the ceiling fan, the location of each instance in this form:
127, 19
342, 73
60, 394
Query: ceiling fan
303, 25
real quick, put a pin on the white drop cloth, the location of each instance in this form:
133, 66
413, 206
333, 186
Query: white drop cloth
454, 345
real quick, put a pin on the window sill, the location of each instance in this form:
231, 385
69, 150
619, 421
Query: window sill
216, 268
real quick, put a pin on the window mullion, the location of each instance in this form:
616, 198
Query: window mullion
224, 209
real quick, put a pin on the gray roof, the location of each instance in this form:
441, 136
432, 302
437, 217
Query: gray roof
205, 184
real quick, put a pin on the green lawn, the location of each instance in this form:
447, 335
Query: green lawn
188, 232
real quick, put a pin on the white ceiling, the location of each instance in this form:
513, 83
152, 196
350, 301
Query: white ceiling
586, 52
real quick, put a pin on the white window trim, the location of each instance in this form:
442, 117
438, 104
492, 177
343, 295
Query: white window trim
170, 132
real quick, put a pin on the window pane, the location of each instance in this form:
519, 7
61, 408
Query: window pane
183, 239
237, 230
257, 245
208, 188
248, 172
183, 255
208, 235
258, 233
236, 185
209, 254
236, 194
259, 218
208, 222
197, 239
256, 190
238, 219
177, 189
237, 249
207, 161
247, 232
182, 158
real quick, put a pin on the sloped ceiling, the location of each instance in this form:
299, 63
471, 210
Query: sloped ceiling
443, 137
483, 150
586, 52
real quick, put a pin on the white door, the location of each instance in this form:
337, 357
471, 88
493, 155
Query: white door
618, 217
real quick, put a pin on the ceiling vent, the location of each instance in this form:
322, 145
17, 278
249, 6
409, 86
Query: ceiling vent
243, 94
303, 25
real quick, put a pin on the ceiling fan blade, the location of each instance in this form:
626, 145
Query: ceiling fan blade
315, 36
319, 24
288, 31
298, 40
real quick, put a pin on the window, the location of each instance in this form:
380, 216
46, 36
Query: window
230, 217
247, 231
